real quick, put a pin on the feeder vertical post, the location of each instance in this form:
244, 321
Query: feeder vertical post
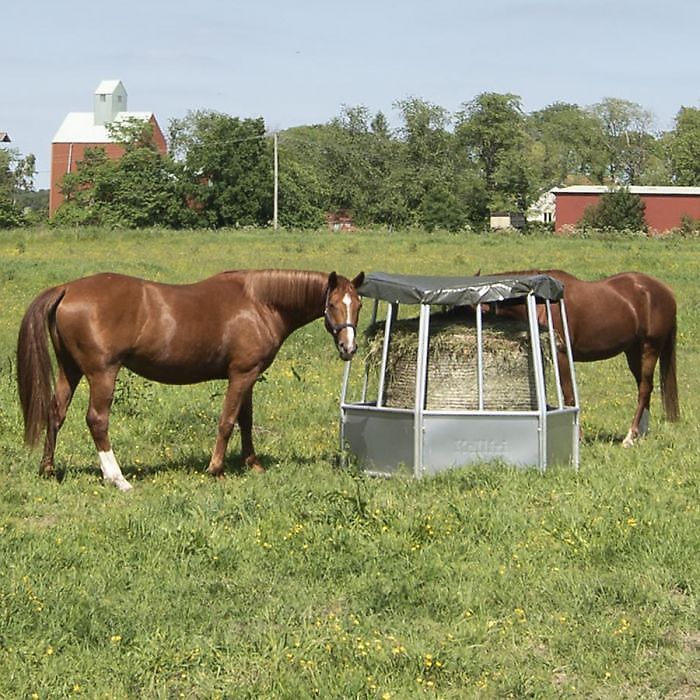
479, 357
572, 376
553, 350
343, 394
365, 381
391, 309
539, 379
421, 380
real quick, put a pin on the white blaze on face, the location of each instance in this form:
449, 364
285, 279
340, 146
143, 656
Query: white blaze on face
111, 471
349, 330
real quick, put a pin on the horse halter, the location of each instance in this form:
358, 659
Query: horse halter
334, 328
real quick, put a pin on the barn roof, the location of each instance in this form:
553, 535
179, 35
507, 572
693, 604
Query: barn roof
422, 289
80, 127
634, 189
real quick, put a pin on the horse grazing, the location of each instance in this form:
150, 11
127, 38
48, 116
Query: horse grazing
629, 312
229, 326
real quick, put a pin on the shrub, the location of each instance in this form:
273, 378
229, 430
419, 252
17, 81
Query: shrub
617, 209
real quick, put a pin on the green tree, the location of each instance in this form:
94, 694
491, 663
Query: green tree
226, 167
360, 162
303, 188
435, 178
346, 163
9, 216
684, 147
16, 179
349, 164
137, 190
628, 139
491, 131
304, 197
568, 145
618, 210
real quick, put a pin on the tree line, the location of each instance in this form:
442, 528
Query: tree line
436, 169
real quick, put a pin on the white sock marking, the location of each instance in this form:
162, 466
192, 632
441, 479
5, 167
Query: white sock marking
111, 472
350, 331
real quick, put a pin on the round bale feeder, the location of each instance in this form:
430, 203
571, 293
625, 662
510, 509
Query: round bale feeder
458, 384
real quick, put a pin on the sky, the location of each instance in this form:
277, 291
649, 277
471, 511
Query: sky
301, 61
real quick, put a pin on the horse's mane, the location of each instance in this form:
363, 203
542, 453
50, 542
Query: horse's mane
287, 288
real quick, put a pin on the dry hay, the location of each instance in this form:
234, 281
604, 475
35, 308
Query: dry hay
509, 378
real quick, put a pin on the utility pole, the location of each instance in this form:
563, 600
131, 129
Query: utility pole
275, 195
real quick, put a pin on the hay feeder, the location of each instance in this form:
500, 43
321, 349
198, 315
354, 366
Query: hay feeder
455, 385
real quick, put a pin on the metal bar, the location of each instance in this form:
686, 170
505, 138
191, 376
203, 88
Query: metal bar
390, 309
572, 376
479, 357
539, 379
553, 350
365, 381
569, 351
421, 372
343, 394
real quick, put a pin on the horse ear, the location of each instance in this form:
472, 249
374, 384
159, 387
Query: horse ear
333, 280
358, 280
478, 273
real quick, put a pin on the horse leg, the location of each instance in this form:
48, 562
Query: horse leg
567, 384
66, 381
236, 392
245, 423
642, 362
101, 394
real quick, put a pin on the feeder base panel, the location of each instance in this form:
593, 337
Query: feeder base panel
383, 440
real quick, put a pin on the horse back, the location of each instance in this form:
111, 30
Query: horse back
610, 315
169, 333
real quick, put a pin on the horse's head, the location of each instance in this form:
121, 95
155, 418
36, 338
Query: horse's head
342, 309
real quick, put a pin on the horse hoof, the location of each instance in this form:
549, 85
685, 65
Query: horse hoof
629, 441
253, 464
121, 484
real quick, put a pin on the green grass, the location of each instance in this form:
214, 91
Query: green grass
307, 581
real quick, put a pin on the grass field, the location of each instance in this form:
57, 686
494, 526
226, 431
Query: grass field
310, 581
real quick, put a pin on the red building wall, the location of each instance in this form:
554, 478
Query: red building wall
569, 208
662, 211
65, 156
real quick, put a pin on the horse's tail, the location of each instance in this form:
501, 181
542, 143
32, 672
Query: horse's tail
34, 368
669, 385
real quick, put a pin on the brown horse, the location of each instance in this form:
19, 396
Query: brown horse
229, 326
629, 312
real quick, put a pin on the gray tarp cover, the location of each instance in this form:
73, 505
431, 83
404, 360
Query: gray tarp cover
419, 289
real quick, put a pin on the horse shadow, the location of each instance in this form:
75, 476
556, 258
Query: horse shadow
599, 437
188, 464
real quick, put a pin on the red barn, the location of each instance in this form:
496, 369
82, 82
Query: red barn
81, 130
665, 207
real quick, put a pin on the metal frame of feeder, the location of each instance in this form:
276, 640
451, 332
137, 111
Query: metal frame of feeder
385, 440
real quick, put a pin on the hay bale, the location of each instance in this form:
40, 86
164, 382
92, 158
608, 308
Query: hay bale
509, 378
